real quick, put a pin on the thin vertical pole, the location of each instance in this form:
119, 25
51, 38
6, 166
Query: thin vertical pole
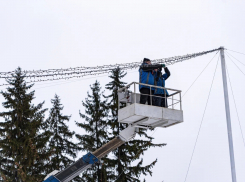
228, 117
165, 99
172, 102
118, 101
180, 101
150, 96
135, 95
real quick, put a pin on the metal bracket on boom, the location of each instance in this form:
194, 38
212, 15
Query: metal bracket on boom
128, 133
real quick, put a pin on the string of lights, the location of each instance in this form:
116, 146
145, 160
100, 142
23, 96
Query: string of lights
78, 72
60, 78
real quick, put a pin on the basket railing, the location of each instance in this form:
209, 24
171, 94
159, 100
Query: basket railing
131, 94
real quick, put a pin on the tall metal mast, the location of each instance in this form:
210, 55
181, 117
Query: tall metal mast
228, 117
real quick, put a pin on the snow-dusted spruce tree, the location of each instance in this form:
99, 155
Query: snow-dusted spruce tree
95, 123
60, 142
130, 151
23, 137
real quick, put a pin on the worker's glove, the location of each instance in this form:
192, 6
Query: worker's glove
163, 65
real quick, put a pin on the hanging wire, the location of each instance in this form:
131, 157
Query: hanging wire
119, 176
236, 52
201, 121
77, 72
77, 80
235, 64
66, 81
167, 61
235, 107
137, 154
199, 74
235, 58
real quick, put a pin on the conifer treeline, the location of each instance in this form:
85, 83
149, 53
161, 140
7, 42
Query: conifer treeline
32, 145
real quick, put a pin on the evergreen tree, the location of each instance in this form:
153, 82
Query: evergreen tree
95, 117
132, 150
22, 136
60, 141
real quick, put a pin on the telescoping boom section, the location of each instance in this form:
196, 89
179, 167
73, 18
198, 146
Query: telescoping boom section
161, 111
91, 158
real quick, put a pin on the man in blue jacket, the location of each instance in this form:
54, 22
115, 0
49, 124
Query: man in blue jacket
146, 76
162, 93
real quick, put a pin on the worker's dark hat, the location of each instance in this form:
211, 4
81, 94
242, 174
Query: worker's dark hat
146, 59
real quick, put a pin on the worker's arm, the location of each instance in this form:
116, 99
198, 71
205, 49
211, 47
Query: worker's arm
150, 67
167, 73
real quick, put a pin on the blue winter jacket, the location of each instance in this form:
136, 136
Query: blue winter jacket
146, 77
160, 81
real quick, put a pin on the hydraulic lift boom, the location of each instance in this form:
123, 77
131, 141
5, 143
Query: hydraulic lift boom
91, 158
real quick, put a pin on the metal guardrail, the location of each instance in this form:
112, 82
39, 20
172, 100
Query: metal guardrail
127, 96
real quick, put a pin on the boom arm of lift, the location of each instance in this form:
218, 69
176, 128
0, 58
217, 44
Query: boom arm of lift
91, 158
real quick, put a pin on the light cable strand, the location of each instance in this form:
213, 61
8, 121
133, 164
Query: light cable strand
236, 51
199, 75
235, 64
201, 122
235, 58
77, 72
135, 155
236, 107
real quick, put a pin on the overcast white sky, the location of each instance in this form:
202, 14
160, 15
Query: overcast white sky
61, 34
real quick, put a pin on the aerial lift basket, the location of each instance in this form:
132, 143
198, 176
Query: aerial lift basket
130, 110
